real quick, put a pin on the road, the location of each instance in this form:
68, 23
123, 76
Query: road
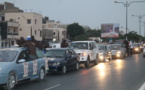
118, 74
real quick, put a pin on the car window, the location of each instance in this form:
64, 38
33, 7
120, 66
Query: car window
7, 55
24, 55
39, 53
80, 45
55, 53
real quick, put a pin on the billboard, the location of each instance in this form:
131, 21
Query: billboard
109, 30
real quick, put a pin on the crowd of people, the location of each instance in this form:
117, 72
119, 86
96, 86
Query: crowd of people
31, 44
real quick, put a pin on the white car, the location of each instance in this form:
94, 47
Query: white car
87, 51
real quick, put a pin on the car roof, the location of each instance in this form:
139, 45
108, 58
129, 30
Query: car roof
58, 49
83, 41
15, 49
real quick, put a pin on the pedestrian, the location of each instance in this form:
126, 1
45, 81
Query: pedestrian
37, 43
126, 46
21, 41
64, 44
31, 47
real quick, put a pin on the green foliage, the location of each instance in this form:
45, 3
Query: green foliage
74, 30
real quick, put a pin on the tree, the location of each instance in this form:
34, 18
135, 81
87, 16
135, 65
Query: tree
74, 30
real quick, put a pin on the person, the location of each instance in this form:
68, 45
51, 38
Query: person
130, 47
38, 44
31, 47
64, 44
21, 41
126, 46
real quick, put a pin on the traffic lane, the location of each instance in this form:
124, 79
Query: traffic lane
127, 74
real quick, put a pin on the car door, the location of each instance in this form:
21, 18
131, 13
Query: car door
69, 59
24, 68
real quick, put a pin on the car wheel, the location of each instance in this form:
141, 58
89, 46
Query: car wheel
64, 69
144, 56
87, 63
41, 74
77, 66
11, 82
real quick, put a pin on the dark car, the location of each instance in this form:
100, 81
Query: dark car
62, 60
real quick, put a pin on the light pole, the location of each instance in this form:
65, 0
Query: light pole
139, 17
144, 28
127, 4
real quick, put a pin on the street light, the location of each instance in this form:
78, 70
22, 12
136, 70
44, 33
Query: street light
144, 28
139, 17
127, 4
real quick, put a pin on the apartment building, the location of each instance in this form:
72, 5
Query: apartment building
29, 23
54, 30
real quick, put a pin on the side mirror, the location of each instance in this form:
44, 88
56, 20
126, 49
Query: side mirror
21, 61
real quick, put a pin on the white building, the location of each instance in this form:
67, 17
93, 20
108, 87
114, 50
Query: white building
29, 23
54, 30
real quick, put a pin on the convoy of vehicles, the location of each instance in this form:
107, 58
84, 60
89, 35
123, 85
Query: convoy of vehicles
17, 66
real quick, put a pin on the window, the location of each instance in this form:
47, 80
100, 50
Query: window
28, 21
40, 33
39, 53
35, 32
35, 21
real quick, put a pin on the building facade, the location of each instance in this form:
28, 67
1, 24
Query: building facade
29, 23
54, 30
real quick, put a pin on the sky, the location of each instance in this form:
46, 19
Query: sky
90, 13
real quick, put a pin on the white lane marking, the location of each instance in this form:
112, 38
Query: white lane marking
52, 87
142, 87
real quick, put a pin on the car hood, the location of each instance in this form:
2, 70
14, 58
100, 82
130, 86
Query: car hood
55, 59
101, 51
5, 65
115, 51
80, 51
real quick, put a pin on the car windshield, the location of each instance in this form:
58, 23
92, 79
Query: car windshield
115, 47
7, 55
101, 47
55, 53
80, 45
134, 45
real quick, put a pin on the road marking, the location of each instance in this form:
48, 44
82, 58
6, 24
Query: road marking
142, 87
52, 87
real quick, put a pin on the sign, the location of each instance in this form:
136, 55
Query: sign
109, 30
26, 70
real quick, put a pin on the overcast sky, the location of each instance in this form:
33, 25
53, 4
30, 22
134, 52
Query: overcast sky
92, 13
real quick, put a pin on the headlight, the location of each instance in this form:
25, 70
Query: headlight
84, 54
56, 64
118, 52
136, 49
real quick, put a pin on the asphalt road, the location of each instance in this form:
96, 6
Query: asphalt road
118, 74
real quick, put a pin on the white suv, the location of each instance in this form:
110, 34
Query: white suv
87, 51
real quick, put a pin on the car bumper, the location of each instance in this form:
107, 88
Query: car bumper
55, 69
3, 79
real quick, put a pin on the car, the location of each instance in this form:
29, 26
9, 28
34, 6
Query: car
144, 52
140, 46
62, 60
136, 48
16, 66
118, 51
104, 53
87, 51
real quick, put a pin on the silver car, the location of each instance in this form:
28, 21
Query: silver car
118, 51
104, 53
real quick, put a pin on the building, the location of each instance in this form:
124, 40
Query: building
54, 30
29, 23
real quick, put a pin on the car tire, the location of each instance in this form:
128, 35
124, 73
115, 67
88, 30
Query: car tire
144, 56
41, 74
11, 82
87, 63
64, 69
77, 66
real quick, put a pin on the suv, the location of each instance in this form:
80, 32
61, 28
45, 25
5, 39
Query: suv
87, 51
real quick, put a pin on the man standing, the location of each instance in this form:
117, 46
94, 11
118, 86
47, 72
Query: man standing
31, 48
64, 44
